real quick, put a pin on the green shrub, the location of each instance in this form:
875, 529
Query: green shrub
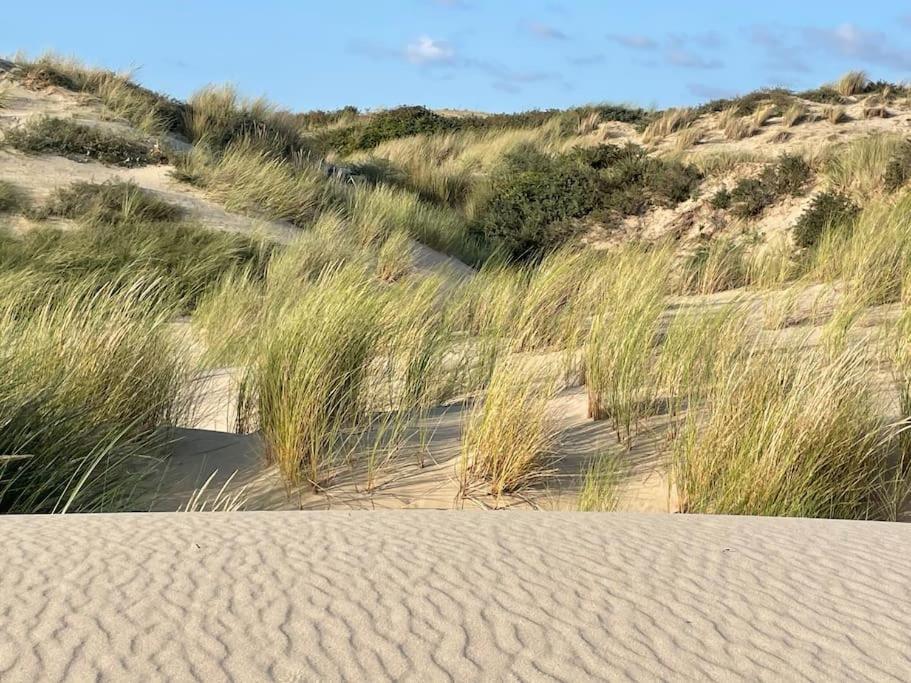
827, 210
721, 199
787, 176
110, 203
388, 125
81, 142
536, 201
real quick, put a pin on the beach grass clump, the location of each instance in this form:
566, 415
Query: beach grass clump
794, 114
860, 167
619, 349
852, 83
834, 114
311, 371
81, 142
716, 266
669, 122
786, 435
91, 382
509, 437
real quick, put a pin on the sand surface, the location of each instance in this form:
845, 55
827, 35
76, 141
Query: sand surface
452, 596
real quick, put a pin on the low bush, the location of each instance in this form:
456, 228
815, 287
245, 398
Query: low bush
536, 201
81, 142
788, 176
387, 125
828, 210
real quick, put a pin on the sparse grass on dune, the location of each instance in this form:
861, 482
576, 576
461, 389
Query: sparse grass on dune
739, 128
91, 379
716, 266
795, 114
762, 115
834, 114
602, 482
111, 202
148, 111
669, 122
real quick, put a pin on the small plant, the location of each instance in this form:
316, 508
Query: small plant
852, 83
834, 114
827, 211
80, 142
739, 128
875, 107
601, 484
721, 199
763, 114
794, 115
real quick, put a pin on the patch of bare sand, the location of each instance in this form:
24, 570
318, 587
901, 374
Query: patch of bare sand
437, 596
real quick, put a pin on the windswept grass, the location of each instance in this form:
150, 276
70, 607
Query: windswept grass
859, 167
669, 122
112, 202
623, 333
786, 435
12, 198
602, 482
90, 381
851, 83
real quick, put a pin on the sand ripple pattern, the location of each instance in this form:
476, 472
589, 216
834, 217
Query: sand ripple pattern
441, 596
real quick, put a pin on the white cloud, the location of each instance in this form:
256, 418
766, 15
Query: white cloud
426, 50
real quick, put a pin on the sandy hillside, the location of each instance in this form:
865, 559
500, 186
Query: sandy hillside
436, 596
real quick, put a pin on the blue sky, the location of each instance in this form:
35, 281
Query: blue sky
472, 54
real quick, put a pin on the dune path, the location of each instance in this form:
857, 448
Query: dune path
452, 596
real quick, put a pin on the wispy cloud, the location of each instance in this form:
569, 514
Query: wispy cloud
588, 60
853, 42
545, 31
780, 52
426, 50
675, 49
636, 42
709, 92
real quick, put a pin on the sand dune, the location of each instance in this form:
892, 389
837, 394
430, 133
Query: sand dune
437, 596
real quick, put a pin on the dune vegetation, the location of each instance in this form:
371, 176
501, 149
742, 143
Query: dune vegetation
344, 341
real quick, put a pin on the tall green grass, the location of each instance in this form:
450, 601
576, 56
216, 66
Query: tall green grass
91, 379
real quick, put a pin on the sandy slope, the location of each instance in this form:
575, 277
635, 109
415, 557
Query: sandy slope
436, 596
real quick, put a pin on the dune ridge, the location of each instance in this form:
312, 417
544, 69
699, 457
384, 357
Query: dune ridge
442, 596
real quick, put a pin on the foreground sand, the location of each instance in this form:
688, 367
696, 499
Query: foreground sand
429, 595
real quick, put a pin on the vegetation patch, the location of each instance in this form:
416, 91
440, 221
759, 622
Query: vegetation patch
898, 168
750, 197
12, 198
828, 210
110, 203
536, 200
81, 143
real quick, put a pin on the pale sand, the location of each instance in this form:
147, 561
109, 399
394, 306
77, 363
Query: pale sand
441, 596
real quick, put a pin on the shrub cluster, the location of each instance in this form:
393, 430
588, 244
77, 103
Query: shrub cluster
81, 142
750, 197
387, 125
828, 210
536, 200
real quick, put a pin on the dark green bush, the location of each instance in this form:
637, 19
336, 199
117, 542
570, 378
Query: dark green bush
388, 125
721, 199
828, 210
81, 143
787, 176
110, 203
822, 95
536, 201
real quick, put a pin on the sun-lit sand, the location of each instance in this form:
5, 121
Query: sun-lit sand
440, 596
